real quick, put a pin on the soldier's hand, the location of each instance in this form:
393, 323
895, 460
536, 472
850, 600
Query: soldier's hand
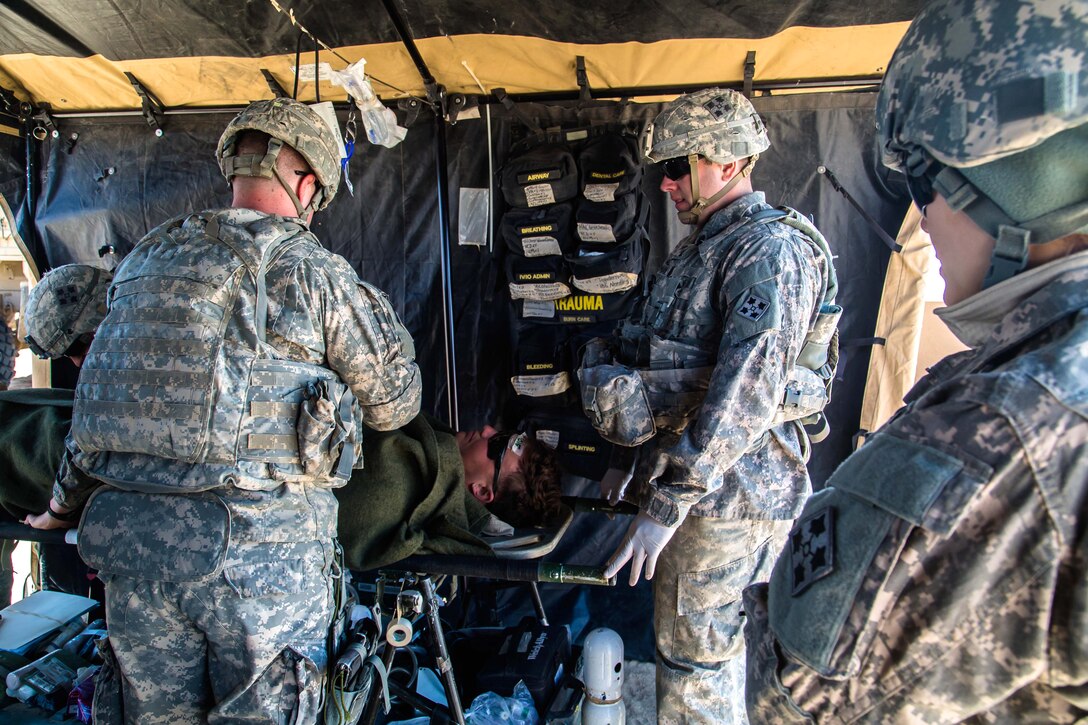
644, 542
614, 483
55, 516
45, 521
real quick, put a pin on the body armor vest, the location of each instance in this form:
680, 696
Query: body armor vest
670, 347
180, 391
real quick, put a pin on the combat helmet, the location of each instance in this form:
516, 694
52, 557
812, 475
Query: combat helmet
985, 103
67, 305
721, 125
288, 123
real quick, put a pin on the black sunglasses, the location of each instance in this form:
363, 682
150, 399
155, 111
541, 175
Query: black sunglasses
497, 446
676, 168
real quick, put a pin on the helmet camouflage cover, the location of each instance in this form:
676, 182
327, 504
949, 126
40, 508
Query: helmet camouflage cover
973, 81
296, 125
68, 302
719, 124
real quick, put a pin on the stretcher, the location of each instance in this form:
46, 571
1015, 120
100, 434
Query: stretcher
518, 558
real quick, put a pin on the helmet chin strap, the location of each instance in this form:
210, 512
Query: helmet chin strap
692, 215
264, 166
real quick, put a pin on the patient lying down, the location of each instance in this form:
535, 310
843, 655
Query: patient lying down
409, 498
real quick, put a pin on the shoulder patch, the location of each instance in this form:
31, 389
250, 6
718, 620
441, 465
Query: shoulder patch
753, 307
812, 549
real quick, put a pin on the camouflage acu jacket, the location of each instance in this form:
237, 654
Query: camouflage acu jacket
319, 312
940, 577
745, 302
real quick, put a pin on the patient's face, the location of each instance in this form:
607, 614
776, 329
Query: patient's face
479, 467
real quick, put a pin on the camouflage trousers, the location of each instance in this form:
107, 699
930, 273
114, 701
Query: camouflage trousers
697, 616
248, 646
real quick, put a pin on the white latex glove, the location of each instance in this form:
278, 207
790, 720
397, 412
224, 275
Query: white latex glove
614, 483
644, 541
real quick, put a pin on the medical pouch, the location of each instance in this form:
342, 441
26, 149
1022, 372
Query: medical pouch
163, 537
581, 450
616, 270
609, 167
542, 366
836, 564
579, 308
607, 222
545, 174
537, 278
614, 399
538, 232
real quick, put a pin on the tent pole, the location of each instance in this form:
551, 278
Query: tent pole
436, 95
413, 51
442, 170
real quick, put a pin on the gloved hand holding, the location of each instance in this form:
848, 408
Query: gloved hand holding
614, 483
644, 541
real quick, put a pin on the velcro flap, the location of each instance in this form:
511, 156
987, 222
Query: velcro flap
165, 537
906, 479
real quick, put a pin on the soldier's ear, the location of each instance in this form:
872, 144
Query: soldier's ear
482, 492
307, 187
730, 170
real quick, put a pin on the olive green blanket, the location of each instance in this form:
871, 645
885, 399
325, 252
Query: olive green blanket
408, 499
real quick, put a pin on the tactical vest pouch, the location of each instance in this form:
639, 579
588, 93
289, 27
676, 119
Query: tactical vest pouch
537, 278
606, 222
163, 537
610, 167
301, 420
616, 270
676, 395
538, 232
326, 431
806, 395
614, 399
822, 342
820, 354
543, 175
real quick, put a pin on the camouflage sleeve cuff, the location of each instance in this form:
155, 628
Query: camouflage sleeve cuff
72, 499
769, 701
663, 509
396, 413
71, 486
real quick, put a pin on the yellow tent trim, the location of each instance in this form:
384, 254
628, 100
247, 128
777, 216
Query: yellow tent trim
893, 365
521, 65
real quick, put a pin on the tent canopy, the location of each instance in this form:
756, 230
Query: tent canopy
205, 53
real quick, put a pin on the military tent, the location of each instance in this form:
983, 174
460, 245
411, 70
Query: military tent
110, 111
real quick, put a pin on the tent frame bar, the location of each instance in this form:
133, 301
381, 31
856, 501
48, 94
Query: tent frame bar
856, 83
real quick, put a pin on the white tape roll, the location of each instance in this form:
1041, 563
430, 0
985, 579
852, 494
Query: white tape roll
399, 632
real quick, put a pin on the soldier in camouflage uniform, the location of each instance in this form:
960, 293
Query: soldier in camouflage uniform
940, 577
218, 405
697, 378
64, 309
